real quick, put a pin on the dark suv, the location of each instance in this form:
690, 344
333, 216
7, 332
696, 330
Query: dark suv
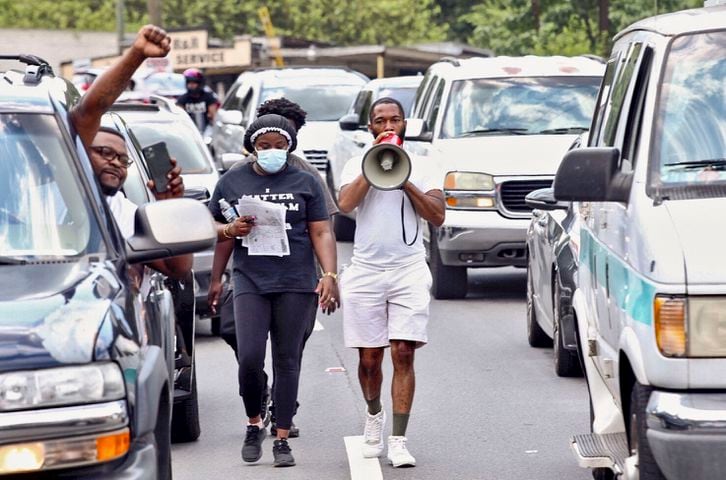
85, 380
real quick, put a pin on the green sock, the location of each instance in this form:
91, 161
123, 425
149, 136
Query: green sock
400, 422
374, 406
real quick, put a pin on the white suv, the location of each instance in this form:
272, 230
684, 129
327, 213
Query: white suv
325, 93
499, 127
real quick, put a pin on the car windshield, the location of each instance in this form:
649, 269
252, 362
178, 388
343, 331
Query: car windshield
165, 82
531, 105
182, 141
43, 210
690, 136
403, 95
323, 103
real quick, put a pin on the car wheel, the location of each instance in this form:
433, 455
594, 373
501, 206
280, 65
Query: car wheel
162, 437
647, 467
185, 415
535, 335
448, 282
344, 228
567, 364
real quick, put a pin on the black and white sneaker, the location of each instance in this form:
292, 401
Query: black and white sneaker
252, 448
283, 454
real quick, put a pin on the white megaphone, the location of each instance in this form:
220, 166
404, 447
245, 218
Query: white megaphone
387, 166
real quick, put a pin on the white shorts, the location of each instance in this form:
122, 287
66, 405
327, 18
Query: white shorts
379, 306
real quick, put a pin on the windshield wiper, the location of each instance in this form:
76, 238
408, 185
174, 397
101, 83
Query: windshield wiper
564, 130
717, 163
12, 261
484, 131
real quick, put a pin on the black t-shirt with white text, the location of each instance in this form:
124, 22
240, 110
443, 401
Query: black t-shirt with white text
304, 199
197, 107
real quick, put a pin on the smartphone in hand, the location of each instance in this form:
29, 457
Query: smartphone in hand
158, 162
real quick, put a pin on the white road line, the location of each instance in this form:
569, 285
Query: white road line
361, 468
318, 326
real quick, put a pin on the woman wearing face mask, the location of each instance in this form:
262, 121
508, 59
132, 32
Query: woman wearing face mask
273, 295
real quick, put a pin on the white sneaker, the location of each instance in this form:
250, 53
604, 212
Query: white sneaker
373, 434
398, 454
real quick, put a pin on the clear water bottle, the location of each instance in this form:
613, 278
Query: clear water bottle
228, 211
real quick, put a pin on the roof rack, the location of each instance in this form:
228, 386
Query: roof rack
35, 69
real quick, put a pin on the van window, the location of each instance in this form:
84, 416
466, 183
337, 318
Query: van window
435, 106
619, 92
527, 105
418, 103
602, 99
689, 146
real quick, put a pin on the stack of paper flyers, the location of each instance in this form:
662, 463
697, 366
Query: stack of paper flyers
268, 236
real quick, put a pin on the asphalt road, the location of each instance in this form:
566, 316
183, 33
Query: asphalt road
487, 406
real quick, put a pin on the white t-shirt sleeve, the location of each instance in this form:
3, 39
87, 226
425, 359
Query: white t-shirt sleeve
124, 212
351, 171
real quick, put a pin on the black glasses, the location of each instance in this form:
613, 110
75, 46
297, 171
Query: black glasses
108, 153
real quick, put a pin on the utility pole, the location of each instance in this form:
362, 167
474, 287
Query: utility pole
154, 7
120, 27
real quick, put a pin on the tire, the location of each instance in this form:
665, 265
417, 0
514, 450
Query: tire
603, 474
162, 437
567, 363
536, 337
448, 282
344, 228
647, 467
216, 326
185, 416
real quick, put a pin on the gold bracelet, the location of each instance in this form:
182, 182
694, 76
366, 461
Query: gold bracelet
332, 275
225, 231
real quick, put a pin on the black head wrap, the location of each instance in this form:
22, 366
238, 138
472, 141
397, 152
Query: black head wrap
270, 123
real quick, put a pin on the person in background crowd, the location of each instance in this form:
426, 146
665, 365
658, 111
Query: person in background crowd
297, 116
385, 291
200, 103
276, 296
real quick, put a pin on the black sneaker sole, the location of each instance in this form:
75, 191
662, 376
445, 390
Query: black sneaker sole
287, 463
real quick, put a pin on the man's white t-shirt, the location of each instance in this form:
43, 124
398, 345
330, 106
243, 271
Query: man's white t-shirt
124, 211
378, 242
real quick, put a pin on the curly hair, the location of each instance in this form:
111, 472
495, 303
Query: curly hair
286, 108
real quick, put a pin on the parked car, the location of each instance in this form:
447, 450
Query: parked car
162, 121
553, 242
651, 284
325, 93
354, 138
85, 388
499, 126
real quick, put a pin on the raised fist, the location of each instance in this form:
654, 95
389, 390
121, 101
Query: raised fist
152, 41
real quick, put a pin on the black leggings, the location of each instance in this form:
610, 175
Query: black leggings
289, 319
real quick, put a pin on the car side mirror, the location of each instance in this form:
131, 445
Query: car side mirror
349, 122
230, 117
591, 175
159, 233
230, 159
544, 199
417, 130
200, 194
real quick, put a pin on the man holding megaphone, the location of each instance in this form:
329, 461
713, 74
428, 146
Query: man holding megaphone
385, 292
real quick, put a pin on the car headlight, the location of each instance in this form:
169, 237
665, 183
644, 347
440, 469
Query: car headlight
707, 327
470, 190
691, 327
61, 386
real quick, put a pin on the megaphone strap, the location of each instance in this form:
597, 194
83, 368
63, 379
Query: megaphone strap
403, 223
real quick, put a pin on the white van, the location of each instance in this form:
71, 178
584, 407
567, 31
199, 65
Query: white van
651, 285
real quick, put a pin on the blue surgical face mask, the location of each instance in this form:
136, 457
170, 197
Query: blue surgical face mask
272, 160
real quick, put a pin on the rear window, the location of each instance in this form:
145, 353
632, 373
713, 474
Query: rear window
403, 95
182, 141
323, 103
